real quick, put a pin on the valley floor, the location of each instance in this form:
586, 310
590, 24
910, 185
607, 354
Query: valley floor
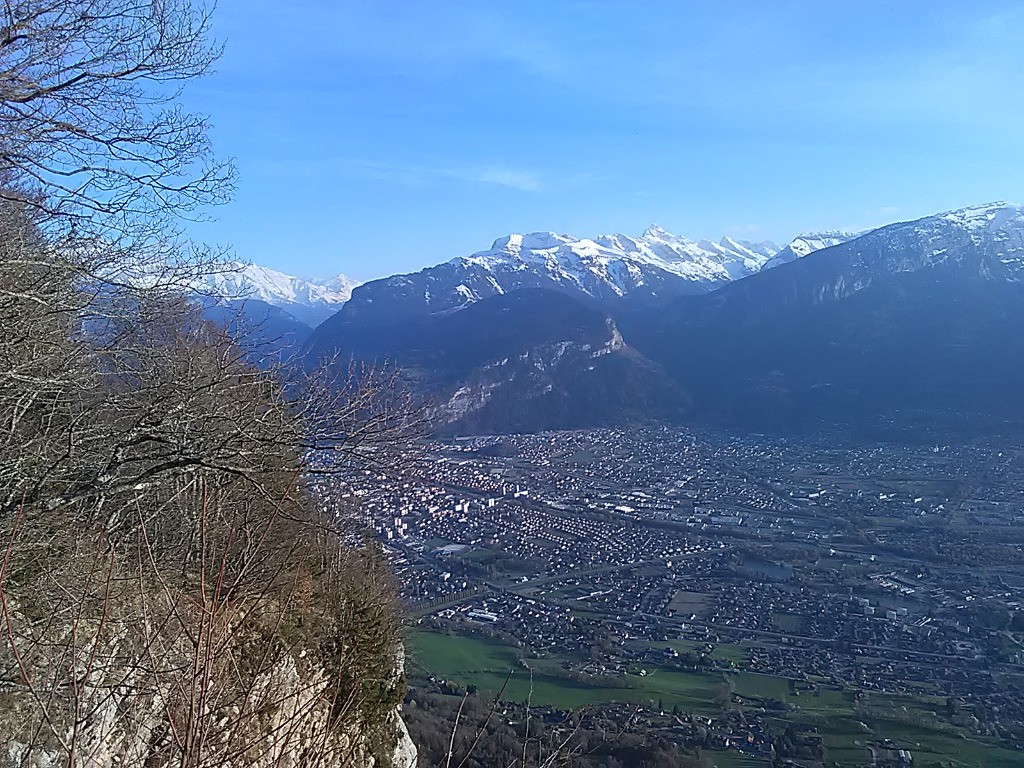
834, 602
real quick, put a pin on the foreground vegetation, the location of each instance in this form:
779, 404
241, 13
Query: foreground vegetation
168, 594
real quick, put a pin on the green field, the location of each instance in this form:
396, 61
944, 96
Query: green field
738, 655
723, 651
735, 760
824, 701
485, 663
846, 743
685, 603
912, 722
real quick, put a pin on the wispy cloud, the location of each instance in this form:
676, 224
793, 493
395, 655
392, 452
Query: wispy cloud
512, 178
519, 179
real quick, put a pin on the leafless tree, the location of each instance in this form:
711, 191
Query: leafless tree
168, 594
89, 117
224, 632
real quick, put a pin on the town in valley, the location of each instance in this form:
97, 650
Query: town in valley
819, 600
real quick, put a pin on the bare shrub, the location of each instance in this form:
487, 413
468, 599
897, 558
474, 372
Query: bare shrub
168, 594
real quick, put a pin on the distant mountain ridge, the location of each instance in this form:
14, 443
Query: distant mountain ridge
519, 337
308, 301
983, 242
915, 322
806, 244
655, 266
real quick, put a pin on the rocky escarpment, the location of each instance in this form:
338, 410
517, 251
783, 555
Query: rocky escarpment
515, 362
104, 662
123, 715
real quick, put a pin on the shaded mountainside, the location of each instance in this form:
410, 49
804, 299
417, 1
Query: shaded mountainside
917, 324
914, 324
266, 332
522, 361
983, 243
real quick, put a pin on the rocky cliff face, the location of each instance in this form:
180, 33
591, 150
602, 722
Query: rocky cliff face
515, 362
288, 716
405, 750
287, 658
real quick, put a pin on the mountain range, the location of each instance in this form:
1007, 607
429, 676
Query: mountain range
309, 302
655, 265
611, 268
916, 323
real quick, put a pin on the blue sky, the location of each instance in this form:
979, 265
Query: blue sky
383, 136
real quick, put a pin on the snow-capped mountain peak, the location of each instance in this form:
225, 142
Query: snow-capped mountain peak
973, 245
655, 232
656, 264
309, 301
339, 285
986, 240
985, 216
765, 248
807, 243
619, 261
